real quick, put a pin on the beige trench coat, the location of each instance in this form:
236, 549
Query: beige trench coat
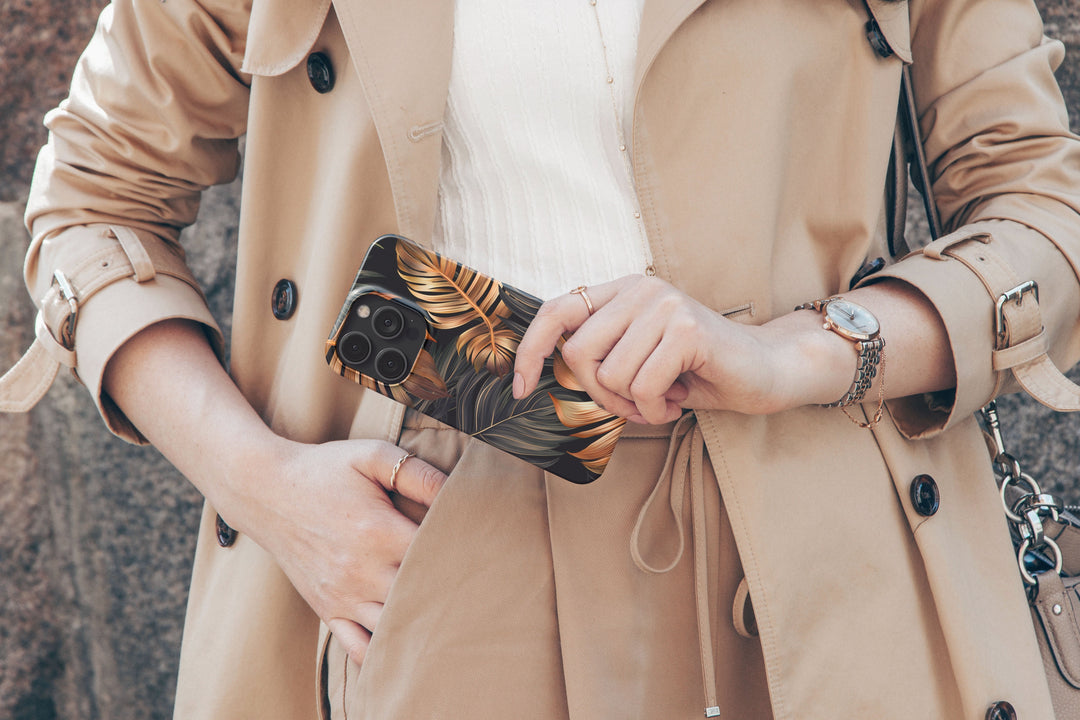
761, 137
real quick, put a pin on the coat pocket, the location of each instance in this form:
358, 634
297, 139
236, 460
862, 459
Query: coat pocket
445, 448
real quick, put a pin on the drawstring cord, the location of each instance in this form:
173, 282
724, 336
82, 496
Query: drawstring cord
684, 464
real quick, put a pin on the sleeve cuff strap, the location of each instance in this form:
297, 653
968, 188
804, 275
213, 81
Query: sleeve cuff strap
951, 288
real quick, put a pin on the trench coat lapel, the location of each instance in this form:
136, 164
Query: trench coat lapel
659, 20
404, 68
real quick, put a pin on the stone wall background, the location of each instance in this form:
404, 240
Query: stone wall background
96, 536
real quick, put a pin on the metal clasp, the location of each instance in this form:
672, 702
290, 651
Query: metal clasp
67, 292
1029, 512
1017, 296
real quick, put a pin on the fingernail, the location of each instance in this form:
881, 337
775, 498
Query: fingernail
519, 386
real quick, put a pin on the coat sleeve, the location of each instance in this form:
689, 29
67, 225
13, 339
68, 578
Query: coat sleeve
1005, 169
157, 103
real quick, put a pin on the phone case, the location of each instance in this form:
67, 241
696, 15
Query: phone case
441, 338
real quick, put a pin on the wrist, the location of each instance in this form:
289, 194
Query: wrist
818, 364
248, 476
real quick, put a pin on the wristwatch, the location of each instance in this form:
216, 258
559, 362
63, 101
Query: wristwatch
856, 323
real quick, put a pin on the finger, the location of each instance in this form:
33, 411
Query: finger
657, 374
678, 392
414, 479
352, 637
556, 317
368, 614
584, 353
619, 366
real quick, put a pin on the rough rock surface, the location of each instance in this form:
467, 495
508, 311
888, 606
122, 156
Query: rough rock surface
96, 536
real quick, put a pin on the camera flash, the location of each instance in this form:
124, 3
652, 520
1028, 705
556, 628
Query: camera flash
363, 311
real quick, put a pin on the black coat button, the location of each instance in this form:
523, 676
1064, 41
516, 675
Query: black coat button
226, 536
1001, 710
877, 39
924, 495
283, 299
320, 72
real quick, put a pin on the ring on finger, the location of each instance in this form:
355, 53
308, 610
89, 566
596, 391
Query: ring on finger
580, 290
397, 466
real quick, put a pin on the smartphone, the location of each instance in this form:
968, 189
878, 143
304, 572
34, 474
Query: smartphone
441, 338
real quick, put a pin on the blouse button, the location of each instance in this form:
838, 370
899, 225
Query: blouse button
320, 72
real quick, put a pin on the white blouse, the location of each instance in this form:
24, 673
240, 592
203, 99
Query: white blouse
536, 187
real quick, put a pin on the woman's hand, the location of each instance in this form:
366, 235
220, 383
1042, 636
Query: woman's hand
648, 351
324, 513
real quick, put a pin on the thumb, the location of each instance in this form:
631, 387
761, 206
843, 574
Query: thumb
354, 638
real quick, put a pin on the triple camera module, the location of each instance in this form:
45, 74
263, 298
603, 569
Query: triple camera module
381, 338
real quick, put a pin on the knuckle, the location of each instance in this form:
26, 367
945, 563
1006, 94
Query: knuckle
356, 650
371, 533
607, 376
342, 564
672, 305
572, 351
640, 387
545, 313
430, 480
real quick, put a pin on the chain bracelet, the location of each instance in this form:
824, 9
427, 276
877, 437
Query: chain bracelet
1027, 515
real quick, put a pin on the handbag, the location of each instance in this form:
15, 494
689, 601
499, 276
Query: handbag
1045, 532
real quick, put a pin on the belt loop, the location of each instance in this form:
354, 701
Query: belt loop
937, 248
136, 253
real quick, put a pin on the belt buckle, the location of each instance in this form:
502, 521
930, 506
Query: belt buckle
66, 293
1016, 295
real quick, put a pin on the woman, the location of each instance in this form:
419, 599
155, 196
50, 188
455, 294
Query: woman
777, 564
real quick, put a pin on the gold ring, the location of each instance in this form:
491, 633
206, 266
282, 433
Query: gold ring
580, 290
397, 466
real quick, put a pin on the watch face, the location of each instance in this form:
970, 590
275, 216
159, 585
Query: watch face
851, 320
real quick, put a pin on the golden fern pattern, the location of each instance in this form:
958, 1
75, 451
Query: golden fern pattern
454, 297
462, 376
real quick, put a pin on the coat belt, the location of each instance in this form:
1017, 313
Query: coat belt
684, 465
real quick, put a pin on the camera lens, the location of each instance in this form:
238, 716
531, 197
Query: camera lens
354, 348
390, 365
388, 322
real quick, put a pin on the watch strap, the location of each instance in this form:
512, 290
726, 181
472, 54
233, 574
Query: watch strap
865, 372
